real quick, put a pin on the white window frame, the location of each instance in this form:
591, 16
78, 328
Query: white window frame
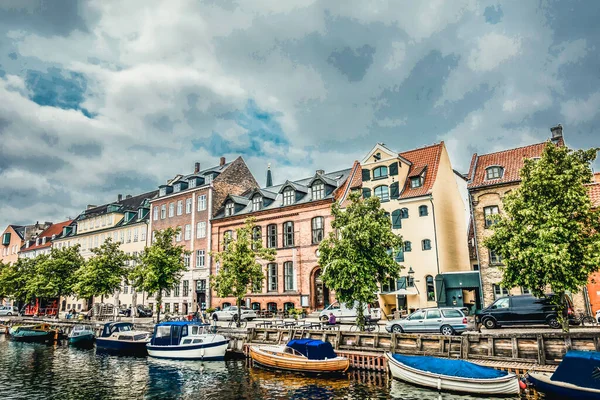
188, 232
179, 207
200, 259
257, 203
171, 209
188, 205
201, 230
163, 211
288, 196
202, 202
229, 208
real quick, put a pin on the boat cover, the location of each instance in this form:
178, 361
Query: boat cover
581, 368
313, 349
449, 367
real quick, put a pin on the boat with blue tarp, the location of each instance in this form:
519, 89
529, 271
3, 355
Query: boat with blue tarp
122, 338
186, 340
38, 333
577, 377
304, 355
452, 375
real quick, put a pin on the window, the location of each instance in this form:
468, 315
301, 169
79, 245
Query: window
186, 260
495, 258
201, 285
186, 288
176, 188
288, 196
202, 202
317, 190
272, 236
288, 234
178, 235
416, 182
192, 183
229, 207
407, 246
430, 288
128, 236
163, 211
417, 315
499, 291
188, 232
180, 207
380, 172
122, 236
423, 211
404, 213
272, 277
434, 314
167, 310
201, 230
317, 230
171, 210
227, 236
188, 206
167, 293
450, 313
382, 192
136, 234
396, 220
143, 235
288, 275
208, 179
256, 236
200, 259
426, 244
176, 290
257, 202
494, 172
488, 213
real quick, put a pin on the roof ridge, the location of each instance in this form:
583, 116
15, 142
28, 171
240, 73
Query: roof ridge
424, 147
512, 149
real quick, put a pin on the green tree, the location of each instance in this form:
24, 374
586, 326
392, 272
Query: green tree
103, 273
239, 270
161, 266
356, 256
14, 280
549, 235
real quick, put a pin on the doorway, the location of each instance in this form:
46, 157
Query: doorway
320, 291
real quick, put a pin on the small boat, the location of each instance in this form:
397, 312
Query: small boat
187, 341
303, 355
34, 333
450, 375
577, 377
121, 338
82, 336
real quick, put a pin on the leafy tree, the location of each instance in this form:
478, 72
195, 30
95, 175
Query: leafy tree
103, 273
549, 235
161, 266
356, 256
239, 269
14, 280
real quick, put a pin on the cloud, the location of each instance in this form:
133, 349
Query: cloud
492, 50
577, 111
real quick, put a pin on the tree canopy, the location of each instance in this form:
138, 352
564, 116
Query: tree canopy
356, 256
239, 270
55, 274
14, 279
549, 235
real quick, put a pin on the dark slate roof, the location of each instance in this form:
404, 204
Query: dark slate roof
20, 230
127, 204
335, 179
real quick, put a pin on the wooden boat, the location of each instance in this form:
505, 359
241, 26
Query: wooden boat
304, 355
577, 377
82, 336
121, 338
452, 375
186, 340
34, 333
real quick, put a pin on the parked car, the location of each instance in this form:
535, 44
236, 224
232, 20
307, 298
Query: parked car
447, 321
8, 311
523, 310
344, 312
143, 311
230, 313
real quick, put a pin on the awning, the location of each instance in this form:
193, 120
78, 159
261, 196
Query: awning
402, 292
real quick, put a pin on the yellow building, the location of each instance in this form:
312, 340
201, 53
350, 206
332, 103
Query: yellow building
427, 203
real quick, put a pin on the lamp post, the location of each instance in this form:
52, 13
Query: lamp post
410, 281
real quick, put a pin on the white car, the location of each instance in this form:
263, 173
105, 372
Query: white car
344, 313
8, 311
230, 313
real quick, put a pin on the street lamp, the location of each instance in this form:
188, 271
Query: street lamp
411, 277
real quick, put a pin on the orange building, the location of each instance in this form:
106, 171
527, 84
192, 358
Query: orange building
593, 286
13, 238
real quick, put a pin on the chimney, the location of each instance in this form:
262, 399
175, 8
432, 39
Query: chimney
128, 196
269, 176
557, 133
222, 161
196, 167
119, 197
320, 172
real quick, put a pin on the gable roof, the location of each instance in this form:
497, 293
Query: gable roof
19, 229
382, 148
354, 181
54, 229
512, 160
424, 161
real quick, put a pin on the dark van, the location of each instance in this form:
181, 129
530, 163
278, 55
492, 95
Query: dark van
521, 310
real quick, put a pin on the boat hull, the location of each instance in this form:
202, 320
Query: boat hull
82, 340
497, 386
268, 357
122, 347
562, 390
205, 351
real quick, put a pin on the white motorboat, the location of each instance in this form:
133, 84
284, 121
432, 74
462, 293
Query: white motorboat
187, 341
121, 338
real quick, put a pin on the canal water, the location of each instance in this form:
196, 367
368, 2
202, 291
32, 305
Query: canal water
38, 371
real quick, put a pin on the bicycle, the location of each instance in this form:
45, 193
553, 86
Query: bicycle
370, 325
583, 318
234, 324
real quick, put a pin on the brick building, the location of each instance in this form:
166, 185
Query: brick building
292, 218
593, 286
187, 202
15, 236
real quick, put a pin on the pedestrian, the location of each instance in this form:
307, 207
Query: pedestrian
332, 320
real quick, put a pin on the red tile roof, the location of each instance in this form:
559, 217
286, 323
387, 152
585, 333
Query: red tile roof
354, 181
597, 177
511, 160
594, 192
54, 229
424, 159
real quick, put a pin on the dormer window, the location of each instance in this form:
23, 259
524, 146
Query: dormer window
317, 190
229, 208
177, 188
162, 191
208, 179
380, 172
494, 172
257, 203
192, 183
140, 213
416, 182
288, 196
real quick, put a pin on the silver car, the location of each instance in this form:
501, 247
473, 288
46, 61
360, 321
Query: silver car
8, 311
447, 321
230, 313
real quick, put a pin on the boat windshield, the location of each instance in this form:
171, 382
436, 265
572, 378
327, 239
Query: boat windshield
163, 331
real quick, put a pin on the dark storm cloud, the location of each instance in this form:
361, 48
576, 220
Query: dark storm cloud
353, 63
39, 164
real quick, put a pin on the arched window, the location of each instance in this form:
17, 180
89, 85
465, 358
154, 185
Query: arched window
426, 244
380, 172
227, 236
272, 277
317, 230
407, 246
423, 212
430, 288
383, 193
494, 172
404, 213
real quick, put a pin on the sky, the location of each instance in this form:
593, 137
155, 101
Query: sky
105, 97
